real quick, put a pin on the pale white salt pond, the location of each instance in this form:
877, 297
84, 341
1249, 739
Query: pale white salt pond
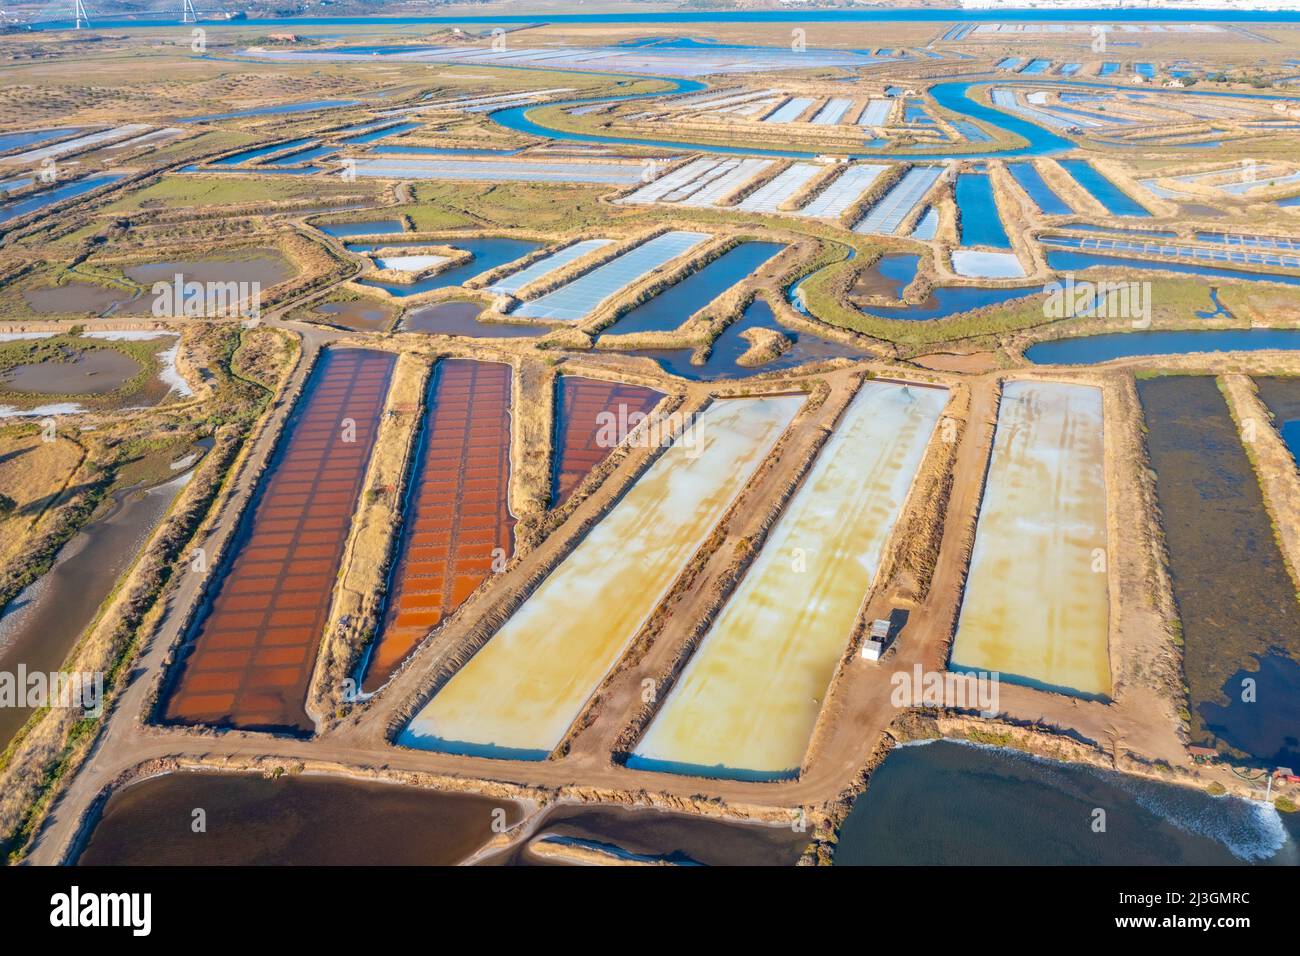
518, 695
410, 263
977, 264
746, 703
41, 411
1036, 606
25, 336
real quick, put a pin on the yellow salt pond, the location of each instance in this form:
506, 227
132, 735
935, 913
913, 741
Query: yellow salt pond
518, 695
1036, 604
746, 703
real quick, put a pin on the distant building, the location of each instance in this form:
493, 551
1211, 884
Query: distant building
1203, 754
283, 37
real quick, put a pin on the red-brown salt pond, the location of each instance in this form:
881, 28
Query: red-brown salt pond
458, 517
591, 418
255, 645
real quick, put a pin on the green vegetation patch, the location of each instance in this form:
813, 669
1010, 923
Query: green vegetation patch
70, 347
539, 206
193, 189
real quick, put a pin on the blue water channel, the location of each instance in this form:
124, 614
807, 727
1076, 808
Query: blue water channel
670, 308
486, 254
248, 155
21, 207
1044, 197
1094, 349
730, 345
980, 223
953, 96
1116, 201
1067, 260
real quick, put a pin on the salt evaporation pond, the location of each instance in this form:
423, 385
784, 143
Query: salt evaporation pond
1282, 397
520, 692
1094, 349
723, 358
746, 704
895, 271
357, 315
460, 317
95, 372
89, 372
1100, 187
485, 255
950, 803
980, 223
1043, 196
1036, 607
584, 410
254, 639
1236, 600
456, 517
670, 308
370, 227
295, 820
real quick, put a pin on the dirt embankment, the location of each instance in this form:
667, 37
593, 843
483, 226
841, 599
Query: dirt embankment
532, 418
920, 531
676, 628
1273, 463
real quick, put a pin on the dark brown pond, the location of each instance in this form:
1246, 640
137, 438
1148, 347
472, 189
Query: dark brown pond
1282, 397
76, 298
290, 821
260, 265
88, 372
460, 317
657, 834
264, 266
1240, 616
357, 315
952, 804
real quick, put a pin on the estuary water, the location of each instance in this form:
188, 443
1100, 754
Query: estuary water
961, 804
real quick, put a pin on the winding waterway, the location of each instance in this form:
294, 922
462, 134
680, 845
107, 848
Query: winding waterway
954, 96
